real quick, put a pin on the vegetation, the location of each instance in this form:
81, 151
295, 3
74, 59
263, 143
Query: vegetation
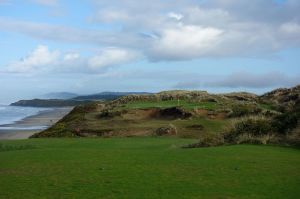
242, 109
146, 167
213, 119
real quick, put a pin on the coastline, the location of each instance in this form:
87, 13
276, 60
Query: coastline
26, 127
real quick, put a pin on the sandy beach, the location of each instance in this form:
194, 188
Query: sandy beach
28, 126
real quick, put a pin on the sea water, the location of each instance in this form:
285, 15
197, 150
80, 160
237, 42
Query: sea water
11, 114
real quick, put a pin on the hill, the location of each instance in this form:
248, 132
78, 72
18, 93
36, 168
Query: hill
285, 98
58, 95
49, 103
107, 95
68, 99
188, 114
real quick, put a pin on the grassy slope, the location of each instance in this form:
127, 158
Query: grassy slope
90, 121
145, 168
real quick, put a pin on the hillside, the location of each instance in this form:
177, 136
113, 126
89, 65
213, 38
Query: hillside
285, 98
186, 114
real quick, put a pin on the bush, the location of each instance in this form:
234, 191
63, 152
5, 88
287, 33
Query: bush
249, 127
240, 110
169, 130
294, 137
285, 122
252, 139
208, 140
109, 114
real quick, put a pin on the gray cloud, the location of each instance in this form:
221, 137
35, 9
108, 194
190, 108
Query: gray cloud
188, 85
250, 80
67, 34
243, 80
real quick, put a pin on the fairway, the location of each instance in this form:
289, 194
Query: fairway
145, 167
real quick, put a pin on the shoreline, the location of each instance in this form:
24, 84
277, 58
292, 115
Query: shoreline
27, 126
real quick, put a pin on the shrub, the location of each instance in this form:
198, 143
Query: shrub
252, 139
285, 122
239, 110
249, 127
169, 130
294, 137
109, 114
208, 140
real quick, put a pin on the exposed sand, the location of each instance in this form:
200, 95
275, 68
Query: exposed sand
32, 124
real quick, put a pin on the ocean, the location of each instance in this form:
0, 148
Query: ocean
11, 114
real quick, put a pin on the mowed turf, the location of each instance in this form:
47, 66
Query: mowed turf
145, 167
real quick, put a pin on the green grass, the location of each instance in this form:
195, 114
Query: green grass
145, 168
171, 103
269, 107
210, 126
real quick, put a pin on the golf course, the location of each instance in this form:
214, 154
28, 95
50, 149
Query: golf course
145, 167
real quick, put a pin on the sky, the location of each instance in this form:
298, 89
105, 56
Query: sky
90, 46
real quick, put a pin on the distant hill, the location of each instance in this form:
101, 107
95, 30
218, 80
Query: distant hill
63, 99
107, 95
49, 103
58, 95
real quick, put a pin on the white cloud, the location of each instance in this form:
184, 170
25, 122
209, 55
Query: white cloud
290, 28
207, 16
185, 42
36, 60
111, 57
43, 60
176, 16
108, 16
233, 28
56, 32
71, 56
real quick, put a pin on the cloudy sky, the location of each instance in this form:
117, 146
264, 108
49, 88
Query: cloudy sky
91, 46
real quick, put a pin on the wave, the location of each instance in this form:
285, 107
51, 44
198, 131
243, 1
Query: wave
12, 114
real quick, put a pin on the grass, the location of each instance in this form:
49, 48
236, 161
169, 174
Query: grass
121, 124
171, 103
5, 147
146, 168
269, 107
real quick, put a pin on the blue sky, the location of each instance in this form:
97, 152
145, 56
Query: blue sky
92, 46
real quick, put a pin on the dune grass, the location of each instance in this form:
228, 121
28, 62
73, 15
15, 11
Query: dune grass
146, 167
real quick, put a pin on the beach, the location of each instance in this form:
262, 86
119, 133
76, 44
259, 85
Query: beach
28, 126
